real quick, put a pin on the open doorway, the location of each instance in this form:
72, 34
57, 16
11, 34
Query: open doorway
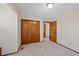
50, 31
46, 31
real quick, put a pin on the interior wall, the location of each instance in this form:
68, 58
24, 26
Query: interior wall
19, 16
68, 29
41, 30
8, 29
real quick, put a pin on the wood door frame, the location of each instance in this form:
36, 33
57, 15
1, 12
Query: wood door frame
29, 20
56, 31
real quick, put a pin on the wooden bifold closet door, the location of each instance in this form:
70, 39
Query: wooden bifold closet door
30, 31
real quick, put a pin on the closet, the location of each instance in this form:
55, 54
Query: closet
30, 31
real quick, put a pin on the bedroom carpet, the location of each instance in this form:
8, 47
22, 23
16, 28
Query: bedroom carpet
46, 48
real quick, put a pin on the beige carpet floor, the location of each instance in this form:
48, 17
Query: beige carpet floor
46, 48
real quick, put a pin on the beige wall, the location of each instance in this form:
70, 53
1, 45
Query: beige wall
8, 29
14, 8
68, 29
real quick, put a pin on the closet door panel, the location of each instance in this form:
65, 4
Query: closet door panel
23, 32
32, 32
37, 31
28, 33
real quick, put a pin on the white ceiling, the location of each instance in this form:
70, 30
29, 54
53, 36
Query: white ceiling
35, 10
